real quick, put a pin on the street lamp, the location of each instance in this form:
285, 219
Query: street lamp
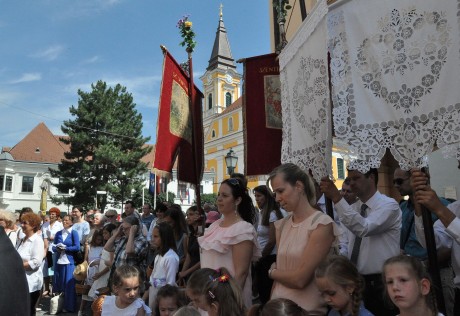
231, 160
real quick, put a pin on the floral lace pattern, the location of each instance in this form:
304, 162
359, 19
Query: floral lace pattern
389, 79
306, 113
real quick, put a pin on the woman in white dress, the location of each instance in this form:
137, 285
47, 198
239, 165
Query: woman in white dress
101, 277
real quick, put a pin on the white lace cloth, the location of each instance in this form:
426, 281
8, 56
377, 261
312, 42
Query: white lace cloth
307, 139
395, 69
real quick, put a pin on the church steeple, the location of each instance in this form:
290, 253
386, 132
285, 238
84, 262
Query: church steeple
221, 56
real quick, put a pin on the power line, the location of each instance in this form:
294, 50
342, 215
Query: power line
72, 124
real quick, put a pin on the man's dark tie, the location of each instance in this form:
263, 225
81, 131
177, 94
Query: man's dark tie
357, 243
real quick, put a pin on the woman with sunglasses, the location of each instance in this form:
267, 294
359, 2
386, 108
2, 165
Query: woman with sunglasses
231, 241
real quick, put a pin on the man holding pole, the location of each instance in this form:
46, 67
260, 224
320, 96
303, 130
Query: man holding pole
446, 229
373, 231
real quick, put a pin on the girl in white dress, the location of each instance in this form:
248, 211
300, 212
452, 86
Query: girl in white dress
93, 257
166, 263
101, 277
126, 282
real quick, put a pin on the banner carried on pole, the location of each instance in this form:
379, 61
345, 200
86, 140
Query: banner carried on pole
177, 123
262, 123
307, 131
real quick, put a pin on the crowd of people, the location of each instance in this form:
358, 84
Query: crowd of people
284, 257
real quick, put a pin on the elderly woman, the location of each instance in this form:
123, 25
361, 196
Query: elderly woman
31, 250
66, 243
304, 239
128, 245
49, 230
231, 241
8, 221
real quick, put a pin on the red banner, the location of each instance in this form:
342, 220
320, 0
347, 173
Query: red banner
262, 114
180, 126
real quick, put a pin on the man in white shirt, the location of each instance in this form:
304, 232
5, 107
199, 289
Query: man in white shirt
446, 229
373, 226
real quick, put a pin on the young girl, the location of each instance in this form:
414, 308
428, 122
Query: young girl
126, 282
409, 287
341, 286
169, 300
223, 296
278, 307
196, 287
101, 277
93, 257
166, 263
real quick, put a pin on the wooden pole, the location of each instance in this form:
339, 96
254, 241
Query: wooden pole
303, 11
433, 266
194, 136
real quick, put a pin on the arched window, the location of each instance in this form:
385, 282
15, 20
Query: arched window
228, 99
213, 134
230, 124
209, 101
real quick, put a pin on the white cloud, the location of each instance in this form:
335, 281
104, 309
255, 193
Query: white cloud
91, 60
50, 53
27, 77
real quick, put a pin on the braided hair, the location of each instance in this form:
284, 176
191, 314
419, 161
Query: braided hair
342, 272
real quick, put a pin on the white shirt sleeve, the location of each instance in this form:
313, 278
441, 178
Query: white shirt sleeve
384, 216
442, 238
36, 253
171, 264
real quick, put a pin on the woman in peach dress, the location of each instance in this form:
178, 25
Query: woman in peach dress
231, 241
304, 239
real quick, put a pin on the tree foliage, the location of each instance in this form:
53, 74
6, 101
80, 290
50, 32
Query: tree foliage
208, 198
106, 147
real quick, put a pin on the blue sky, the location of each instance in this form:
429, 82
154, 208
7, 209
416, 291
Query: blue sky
51, 48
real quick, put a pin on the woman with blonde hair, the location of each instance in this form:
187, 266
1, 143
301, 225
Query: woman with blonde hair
8, 221
304, 238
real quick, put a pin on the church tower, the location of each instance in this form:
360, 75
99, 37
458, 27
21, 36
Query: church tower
221, 81
222, 109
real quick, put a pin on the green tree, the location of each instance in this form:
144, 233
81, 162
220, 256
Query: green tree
106, 147
208, 198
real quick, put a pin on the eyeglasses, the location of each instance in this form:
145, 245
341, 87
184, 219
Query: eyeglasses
399, 181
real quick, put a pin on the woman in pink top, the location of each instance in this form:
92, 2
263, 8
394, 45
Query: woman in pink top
304, 239
231, 241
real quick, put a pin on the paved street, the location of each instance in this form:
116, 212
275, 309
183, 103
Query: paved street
45, 306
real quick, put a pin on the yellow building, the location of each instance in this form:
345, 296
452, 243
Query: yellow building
222, 111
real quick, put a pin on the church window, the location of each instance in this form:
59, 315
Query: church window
228, 99
210, 101
230, 124
213, 134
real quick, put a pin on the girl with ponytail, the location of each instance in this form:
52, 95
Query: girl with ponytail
408, 285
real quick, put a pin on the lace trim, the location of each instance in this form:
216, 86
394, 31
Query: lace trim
412, 135
303, 33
